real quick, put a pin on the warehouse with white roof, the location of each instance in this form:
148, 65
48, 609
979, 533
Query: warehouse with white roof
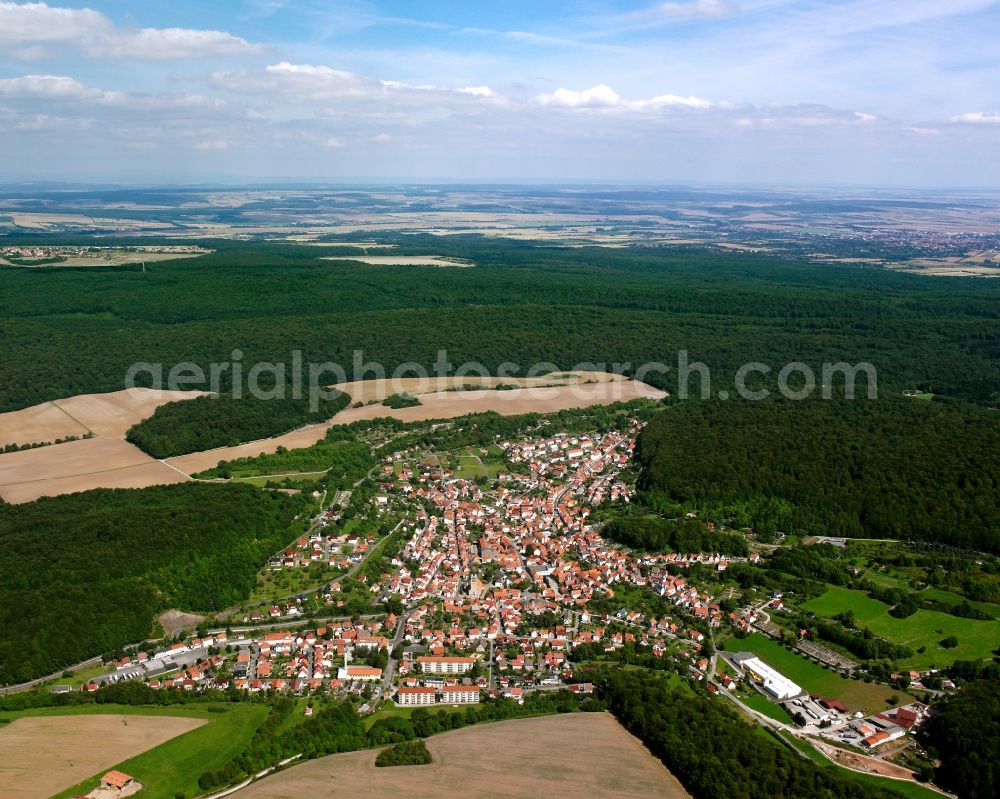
771, 680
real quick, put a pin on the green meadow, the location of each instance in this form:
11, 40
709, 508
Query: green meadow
924, 629
816, 680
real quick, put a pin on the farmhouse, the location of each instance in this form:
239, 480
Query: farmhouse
117, 781
771, 680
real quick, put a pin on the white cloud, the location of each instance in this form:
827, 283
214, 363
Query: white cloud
61, 89
49, 86
672, 99
212, 144
603, 96
317, 84
169, 43
478, 91
297, 81
32, 30
697, 8
978, 118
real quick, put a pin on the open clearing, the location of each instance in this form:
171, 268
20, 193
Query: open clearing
79, 466
570, 755
925, 628
43, 755
542, 398
109, 415
107, 461
106, 259
856, 695
399, 260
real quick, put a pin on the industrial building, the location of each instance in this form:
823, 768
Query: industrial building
771, 680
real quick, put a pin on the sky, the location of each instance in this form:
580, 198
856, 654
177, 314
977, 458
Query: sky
775, 92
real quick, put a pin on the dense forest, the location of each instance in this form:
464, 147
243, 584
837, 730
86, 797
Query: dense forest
653, 534
892, 468
69, 331
965, 734
714, 753
207, 422
84, 574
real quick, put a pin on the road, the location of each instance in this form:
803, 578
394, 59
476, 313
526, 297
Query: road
390, 667
26, 686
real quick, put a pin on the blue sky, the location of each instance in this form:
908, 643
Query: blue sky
883, 92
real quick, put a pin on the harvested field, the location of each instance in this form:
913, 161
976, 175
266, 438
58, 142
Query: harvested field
447, 404
38, 424
41, 756
109, 415
113, 414
439, 404
571, 755
79, 466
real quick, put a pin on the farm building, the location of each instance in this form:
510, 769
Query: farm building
117, 780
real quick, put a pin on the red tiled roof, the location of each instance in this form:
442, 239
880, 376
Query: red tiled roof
116, 779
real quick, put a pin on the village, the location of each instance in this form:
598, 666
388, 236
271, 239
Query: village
494, 586
499, 588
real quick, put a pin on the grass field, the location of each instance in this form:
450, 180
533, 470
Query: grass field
856, 695
762, 704
470, 468
175, 765
295, 477
951, 598
82, 676
390, 710
925, 628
